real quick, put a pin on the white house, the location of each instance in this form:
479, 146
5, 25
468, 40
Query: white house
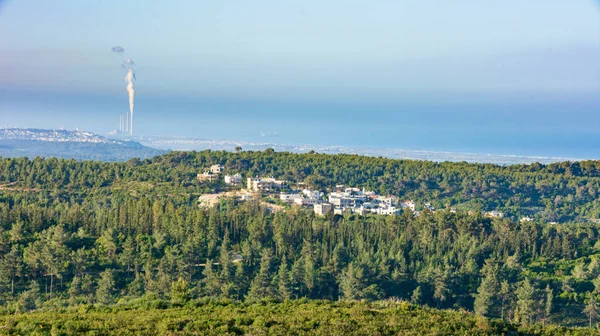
494, 214
312, 194
408, 205
348, 198
386, 211
322, 209
233, 180
265, 184
306, 201
305, 198
216, 169
288, 197
389, 200
207, 176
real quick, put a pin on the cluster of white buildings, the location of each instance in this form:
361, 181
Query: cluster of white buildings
355, 200
347, 200
342, 200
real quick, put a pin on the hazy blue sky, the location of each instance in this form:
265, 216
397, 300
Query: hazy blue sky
293, 52
290, 48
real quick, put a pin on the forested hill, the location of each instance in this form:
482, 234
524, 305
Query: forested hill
75, 234
557, 192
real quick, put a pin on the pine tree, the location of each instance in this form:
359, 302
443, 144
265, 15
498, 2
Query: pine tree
11, 266
526, 301
350, 284
283, 277
485, 296
81, 260
567, 285
88, 287
75, 290
594, 268
310, 274
441, 290
228, 285
28, 300
16, 234
596, 283
54, 253
279, 234
179, 291
296, 279
505, 296
261, 286
211, 281
241, 278
417, 296
128, 255
549, 301
592, 309
136, 286
579, 272
106, 288
338, 259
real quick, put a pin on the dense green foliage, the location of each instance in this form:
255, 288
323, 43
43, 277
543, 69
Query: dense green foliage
79, 233
155, 317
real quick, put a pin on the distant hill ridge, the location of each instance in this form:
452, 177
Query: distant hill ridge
69, 144
54, 135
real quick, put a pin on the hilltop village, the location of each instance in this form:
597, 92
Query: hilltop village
340, 200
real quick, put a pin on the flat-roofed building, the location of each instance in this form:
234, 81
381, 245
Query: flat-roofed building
233, 179
207, 176
323, 209
265, 184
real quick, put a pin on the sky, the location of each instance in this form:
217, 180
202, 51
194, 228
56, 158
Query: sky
284, 57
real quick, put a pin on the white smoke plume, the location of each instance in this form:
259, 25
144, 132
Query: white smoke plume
129, 79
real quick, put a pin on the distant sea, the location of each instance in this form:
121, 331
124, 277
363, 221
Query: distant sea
547, 128
189, 144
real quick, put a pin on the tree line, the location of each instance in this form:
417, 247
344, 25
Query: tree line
560, 192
